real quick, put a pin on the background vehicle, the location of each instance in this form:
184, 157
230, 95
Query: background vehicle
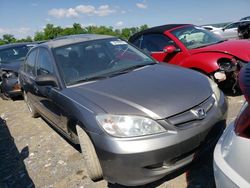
245, 18
198, 49
129, 113
230, 31
244, 30
231, 155
210, 28
11, 57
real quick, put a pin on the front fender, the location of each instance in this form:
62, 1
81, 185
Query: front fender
207, 62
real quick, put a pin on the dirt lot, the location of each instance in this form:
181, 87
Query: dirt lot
40, 157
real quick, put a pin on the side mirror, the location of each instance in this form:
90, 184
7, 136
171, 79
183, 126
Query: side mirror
46, 80
170, 49
223, 29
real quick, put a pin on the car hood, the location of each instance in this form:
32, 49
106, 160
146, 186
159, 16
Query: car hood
237, 48
13, 65
157, 91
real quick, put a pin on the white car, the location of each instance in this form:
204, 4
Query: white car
232, 152
210, 28
230, 31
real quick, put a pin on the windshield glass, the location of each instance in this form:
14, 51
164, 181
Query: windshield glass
13, 54
98, 59
196, 37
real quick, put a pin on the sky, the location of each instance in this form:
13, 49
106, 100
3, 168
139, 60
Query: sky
23, 18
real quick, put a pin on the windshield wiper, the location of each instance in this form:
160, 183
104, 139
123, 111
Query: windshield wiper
89, 79
111, 74
136, 67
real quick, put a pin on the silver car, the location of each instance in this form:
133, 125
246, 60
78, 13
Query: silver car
230, 31
231, 155
232, 152
135, 119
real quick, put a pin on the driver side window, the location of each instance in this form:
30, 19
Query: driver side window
234, 25
44, 63
156, 42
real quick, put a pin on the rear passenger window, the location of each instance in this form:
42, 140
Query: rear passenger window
44, 63
30, 63
137, 42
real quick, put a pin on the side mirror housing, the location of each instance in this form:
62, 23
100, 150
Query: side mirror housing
170, 49
46, 80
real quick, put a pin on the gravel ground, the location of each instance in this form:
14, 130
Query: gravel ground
40, 157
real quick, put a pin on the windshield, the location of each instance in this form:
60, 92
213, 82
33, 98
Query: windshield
13, 53
196, 37
98, 59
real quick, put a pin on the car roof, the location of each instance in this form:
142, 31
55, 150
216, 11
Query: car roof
5, 46
245, 18
157, 29
70, 39
239, 21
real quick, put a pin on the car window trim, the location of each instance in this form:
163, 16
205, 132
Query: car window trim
55, 72
39, 49
25, 64
159, 52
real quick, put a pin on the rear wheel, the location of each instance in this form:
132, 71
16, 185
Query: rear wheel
89, 155
30, 106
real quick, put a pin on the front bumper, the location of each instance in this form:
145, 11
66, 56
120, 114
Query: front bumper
141, 160
11, 87
228, 79
225, 174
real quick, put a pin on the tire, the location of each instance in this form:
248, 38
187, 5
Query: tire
30, 106
91, 160
3, 96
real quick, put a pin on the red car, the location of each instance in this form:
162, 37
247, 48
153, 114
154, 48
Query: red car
196, 48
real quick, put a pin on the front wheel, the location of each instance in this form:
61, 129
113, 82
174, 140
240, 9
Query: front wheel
89, 155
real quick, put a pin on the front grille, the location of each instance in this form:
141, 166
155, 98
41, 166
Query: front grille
196, 113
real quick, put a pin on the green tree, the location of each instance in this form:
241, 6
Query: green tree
39, 36
2, 42
27, 39
143, 27
126, 33
8, 38
77, 29
52, 32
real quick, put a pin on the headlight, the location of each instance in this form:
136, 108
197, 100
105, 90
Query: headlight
215, 89
128, 126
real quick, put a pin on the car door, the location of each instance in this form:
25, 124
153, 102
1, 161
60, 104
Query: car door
27, 75
46, 95
155, 44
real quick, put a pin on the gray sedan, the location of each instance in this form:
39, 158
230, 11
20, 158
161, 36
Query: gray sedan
135, 119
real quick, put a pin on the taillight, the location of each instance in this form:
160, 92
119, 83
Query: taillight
242, 125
